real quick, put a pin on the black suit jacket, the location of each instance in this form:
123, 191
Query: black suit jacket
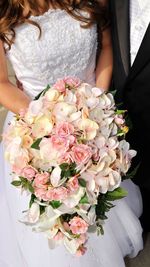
133, 86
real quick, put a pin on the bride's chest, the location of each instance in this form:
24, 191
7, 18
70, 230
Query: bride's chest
62, 37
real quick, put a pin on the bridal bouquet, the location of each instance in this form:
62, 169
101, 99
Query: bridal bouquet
69, 153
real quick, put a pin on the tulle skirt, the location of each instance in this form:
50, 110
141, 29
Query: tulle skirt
20, 247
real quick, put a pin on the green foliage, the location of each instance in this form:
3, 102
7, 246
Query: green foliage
42, 93
42, 209
84, 200
16, 183
118, 193
120, 133
64, 166
24, 183
30, 187
33, 197
131, 174
55, 204
113, 92
35, 145
82, 182
68, 170
120, 111
104, 202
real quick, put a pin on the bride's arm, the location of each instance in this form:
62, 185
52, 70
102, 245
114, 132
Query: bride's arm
105, 61
10, 96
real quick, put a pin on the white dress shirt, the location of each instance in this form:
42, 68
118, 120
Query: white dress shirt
139, 21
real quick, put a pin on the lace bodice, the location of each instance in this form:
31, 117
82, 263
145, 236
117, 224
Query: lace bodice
64, 49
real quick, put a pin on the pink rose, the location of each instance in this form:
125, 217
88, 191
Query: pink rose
59, 193
41, 179
29, 173
78, 226
81, 153
60, 86
41, 193
59, 143
72, 81
119, 119
73, 184
64, 129
66, 157
72, 140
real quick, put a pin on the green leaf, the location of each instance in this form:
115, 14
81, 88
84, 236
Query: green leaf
67, 174
73, 165
68, 170
16, 183
24, 182
23, 179
35, 145
46, 89
118, 193
84, 200
42, 210
42, 93
113, 92
120, 132
30, 187
76, 236
102, 207
82, 182
33, 197
64, 166
131, 174
55, 204
120, 111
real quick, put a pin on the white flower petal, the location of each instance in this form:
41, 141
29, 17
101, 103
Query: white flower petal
33, 213
71, 245
51, 233
55, 176
74, 199
97, 91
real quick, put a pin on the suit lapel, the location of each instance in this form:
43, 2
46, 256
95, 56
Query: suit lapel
122, 15
143, 56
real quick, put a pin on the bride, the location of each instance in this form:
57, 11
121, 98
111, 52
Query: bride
47, 40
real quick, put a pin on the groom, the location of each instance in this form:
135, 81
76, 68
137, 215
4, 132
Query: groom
131, 43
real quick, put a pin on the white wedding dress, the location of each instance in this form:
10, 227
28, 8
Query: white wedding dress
64, 49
